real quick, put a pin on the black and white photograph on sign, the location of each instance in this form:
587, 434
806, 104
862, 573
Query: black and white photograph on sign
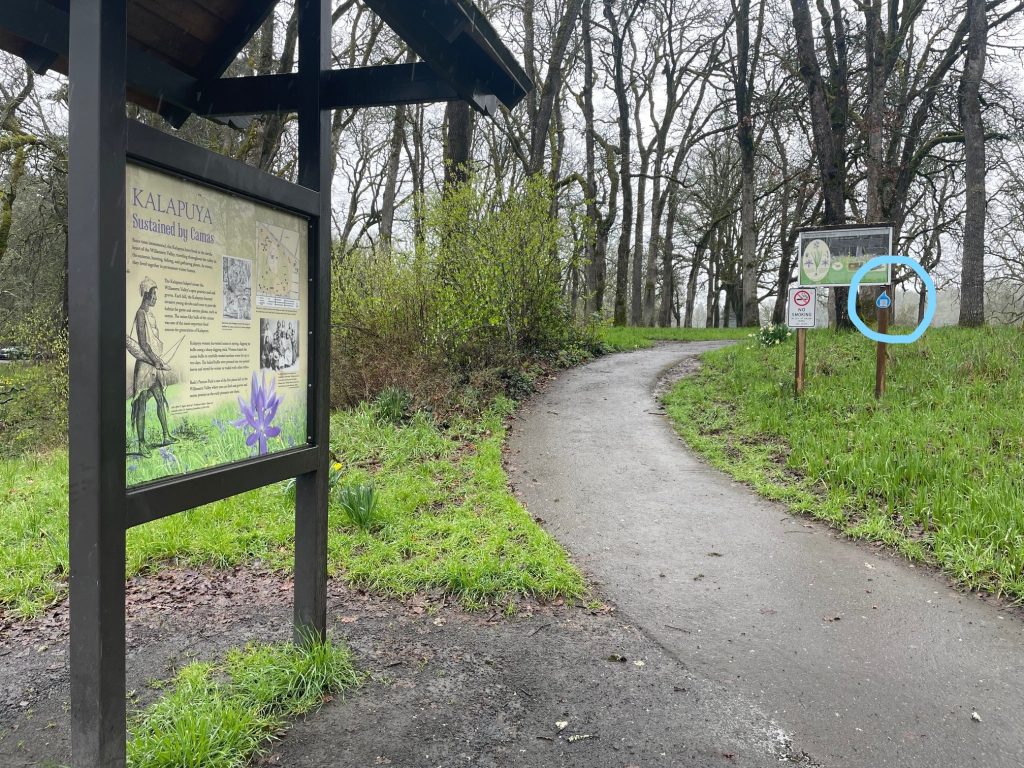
237, 288
279, 344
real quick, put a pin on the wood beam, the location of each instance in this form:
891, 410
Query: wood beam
339, 89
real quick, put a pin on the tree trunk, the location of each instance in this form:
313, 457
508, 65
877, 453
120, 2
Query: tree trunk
711, 319
390, 193
667, 268
829, 108
594, 268
655, 247
636, 306
748, 312
972, 281
458, 145
782, 297
691, 289
622, 97
552, 85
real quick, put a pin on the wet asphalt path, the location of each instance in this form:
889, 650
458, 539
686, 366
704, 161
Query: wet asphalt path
864, 660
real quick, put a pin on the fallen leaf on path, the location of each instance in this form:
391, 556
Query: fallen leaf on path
617, 657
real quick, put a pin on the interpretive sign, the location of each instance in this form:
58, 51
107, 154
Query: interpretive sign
831, 257
801, 308
217, 290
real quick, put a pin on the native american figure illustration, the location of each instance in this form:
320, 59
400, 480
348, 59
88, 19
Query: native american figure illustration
151, 368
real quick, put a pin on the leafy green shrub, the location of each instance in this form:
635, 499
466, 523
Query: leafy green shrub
772, 335
392, 405
499, 290
577, 353
480, 291
33, 408
359, 503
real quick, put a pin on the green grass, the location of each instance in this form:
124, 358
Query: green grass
445, 521
32, 417
627, 339
223, 715
934, 470
204, 440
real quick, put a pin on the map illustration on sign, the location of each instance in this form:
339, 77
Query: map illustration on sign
277, 254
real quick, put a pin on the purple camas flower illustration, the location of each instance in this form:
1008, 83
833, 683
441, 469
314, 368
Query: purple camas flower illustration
259, 413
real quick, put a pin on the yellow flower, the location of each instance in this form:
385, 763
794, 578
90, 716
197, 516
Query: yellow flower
337, 465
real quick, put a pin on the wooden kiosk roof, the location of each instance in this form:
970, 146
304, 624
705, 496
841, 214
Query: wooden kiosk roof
178, 51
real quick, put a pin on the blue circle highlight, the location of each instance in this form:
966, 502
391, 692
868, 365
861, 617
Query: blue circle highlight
886, 338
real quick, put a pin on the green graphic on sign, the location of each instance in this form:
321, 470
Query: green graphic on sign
832, 257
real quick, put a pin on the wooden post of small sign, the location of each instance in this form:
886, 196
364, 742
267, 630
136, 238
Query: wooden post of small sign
801, 359
800, 317
881, 354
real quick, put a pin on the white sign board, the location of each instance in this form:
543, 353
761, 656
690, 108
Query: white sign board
802, 302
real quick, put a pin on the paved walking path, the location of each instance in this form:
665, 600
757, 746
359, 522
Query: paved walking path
864, 660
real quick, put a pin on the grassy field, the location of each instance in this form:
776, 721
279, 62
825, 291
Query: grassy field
627, 339
32, 417
935, 470
446, 520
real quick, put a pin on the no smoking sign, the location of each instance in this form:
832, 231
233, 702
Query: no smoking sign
801, 307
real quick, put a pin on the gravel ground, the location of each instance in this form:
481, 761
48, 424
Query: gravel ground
444, 687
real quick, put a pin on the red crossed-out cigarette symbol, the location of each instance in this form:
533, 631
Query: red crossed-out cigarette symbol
802, 298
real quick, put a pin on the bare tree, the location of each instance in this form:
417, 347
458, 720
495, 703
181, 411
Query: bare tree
829, 101
972, 282
615, 30
743, 78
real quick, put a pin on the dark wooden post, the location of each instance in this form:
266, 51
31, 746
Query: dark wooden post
96, 305
881, 353
315, 173
801, 359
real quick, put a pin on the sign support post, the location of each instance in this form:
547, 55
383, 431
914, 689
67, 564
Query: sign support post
310, 607
881, 355
801, 359
800, 316
96, 305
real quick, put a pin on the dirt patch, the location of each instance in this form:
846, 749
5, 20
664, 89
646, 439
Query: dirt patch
444, 687
670, 377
